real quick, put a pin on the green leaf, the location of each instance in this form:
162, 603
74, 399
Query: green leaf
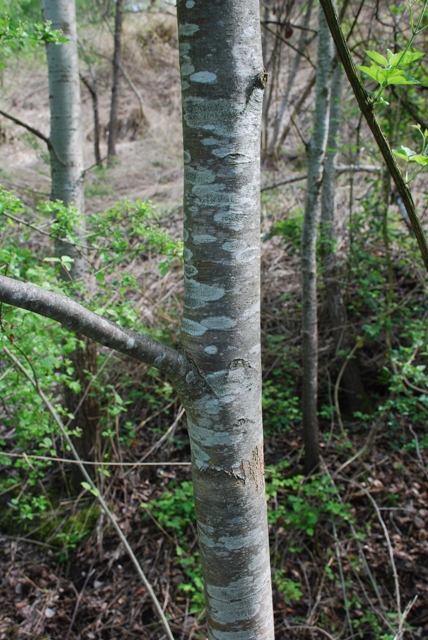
399, 78
420, 159
404, 153
374, 72
88, 487
377, 57
400, 60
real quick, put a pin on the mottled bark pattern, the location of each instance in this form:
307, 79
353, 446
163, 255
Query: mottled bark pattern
66, 135
222, 83
67, 186
317, 148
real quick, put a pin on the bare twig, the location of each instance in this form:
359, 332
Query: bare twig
355, 168
418, 451
79, 598
35, 132
97, 462
97, 494
390, 551
406, 612
165, 435
29, 128
306, 627
337, 385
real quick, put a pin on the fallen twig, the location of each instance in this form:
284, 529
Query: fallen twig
98, 496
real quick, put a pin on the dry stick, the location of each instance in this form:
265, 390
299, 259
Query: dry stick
306, 627
366, 106
406, 612
336, 386
98, 496
134, 89
342, 580
76, 606
34, 131
29, 128
131, 84
362, 554
40, 135
100, 463
339, 170
390, 551
165, 435
418, 451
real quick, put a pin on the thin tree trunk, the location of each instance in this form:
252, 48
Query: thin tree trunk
356, 396
67, 186
316, 154
222, 87
92, 88
303, 40
112, 128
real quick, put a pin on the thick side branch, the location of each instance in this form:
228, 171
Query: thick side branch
75, 317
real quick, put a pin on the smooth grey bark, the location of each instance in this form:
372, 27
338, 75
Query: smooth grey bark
66, 157
356, 396
216, 367
316, 154
112, 127
222, 87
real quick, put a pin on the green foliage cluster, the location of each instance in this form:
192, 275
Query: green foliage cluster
115, 237
393, 70
390, 322
21, 26
298, 503
295, 504
175, 512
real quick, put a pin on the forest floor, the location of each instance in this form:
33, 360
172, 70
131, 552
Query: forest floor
352, 557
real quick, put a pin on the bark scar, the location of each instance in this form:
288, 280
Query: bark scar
257, 82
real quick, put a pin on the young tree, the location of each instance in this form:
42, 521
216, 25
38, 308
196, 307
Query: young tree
216, 366
66, 157
316, 154
112, 127
356, 396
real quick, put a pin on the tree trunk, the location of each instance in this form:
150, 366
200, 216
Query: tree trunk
316, 154
216, 369
67, 186
93, 90
222, 90
112, 127
356, 396
285, 102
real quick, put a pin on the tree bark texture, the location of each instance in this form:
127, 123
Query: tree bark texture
112, 127
66, 155
316, 154
356, 396
216, 367
222, 89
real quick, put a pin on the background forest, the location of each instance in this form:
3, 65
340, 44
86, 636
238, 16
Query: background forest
349, 542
